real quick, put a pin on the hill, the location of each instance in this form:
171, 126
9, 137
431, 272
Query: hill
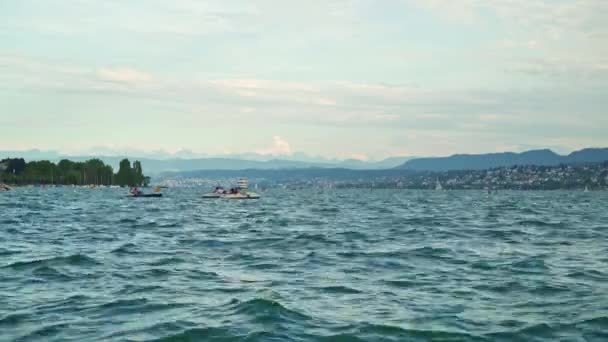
543, 157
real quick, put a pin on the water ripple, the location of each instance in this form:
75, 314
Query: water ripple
316, 265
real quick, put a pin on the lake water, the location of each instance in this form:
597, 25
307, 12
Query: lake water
312, 265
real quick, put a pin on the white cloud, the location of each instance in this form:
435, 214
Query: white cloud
280, 147
359, 156
124, 75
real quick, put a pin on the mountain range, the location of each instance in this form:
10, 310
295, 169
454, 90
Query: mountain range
154, 166
543, 157
232, 162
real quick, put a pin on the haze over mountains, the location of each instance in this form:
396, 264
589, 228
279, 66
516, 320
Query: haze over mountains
160, 161
179, 162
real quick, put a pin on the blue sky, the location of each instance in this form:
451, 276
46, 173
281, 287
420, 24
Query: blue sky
334, 78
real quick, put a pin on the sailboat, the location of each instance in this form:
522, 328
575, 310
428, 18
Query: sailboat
438, 186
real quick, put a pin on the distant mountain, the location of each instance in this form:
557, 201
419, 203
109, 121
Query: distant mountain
391, 162
155, 166
33, 154
493, 160
188, 161
357, 164
287, 175
588, 155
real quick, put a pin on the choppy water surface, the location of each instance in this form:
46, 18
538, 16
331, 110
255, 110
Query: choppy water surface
347, 265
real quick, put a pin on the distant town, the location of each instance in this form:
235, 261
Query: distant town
529, 177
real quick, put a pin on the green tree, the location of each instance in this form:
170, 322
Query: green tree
14, 165
124, 177
138, 175
94, 171
41, 172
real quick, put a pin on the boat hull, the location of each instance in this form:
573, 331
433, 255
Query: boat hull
145, 195
241, 197
232, 196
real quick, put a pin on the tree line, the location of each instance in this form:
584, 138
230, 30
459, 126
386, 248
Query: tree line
66, 172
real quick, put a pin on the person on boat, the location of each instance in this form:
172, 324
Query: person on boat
135, 191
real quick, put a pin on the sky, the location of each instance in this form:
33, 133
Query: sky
364, 79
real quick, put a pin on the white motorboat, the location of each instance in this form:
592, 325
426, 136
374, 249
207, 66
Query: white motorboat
239, 192
4, 187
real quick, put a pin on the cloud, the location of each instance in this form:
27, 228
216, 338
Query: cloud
311, 103
124, 76
566, 70
360, 156
279, 148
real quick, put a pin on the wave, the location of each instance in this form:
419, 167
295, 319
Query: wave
127, 248
51, 273
71, 260
352, 235
46, 332
130, 289
277, 222
266, 310
325, 210
62, 305
530, 265
403, 283
588, 275
483, 265
541, 223
167, 261
9, 222
170, 328
203, 334
423, 252
13, 319
198, 274
339, 289
131, 306
366, 333
265, 266
502, 287
8, 252
380, 332
593, 329
312, 238
169, 225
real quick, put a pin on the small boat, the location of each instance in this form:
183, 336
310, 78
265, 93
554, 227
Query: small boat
240, 192
4, 187
586, 189
135, 192
145, 195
